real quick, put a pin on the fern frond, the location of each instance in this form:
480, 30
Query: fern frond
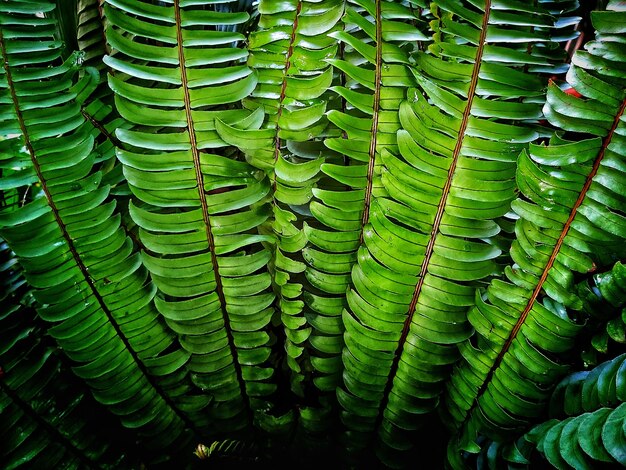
376, 39
585, 441
67, 237
443, 179
571, 205
585, 429
588, 414
44, 412
604, 297
177, 70
290, 51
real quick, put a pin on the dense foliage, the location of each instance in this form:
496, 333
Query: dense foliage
354, 232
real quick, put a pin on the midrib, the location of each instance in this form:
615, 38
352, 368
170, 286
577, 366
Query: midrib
440, 211
555, 252
219, 289
68, 239
374, 129
283, 89
100, 126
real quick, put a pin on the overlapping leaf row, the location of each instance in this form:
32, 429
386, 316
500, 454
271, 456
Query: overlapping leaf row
42, 410
104, 122
590, 412
423, 244
590, 390
90, 34
550, 36
175, 73
98, 107
585, 441
376, 39
604, 298
586, 429
101, 114
69, 240
571, 207
290, 52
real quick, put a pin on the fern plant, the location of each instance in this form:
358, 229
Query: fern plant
559, 227
308, 228
586, 411
43, 408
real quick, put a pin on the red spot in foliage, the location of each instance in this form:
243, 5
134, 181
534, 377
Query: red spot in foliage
570, 91
573, 92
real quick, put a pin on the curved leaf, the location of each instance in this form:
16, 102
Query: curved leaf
174, 77
441, 184
44, 411
570, 207
73, 250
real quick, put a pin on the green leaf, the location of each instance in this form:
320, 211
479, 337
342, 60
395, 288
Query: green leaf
198, 207
446, 172
88, 280
566, 211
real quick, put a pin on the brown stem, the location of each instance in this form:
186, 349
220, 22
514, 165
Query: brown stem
374, 129
70, 242
219, 289
440, 210
283, 88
